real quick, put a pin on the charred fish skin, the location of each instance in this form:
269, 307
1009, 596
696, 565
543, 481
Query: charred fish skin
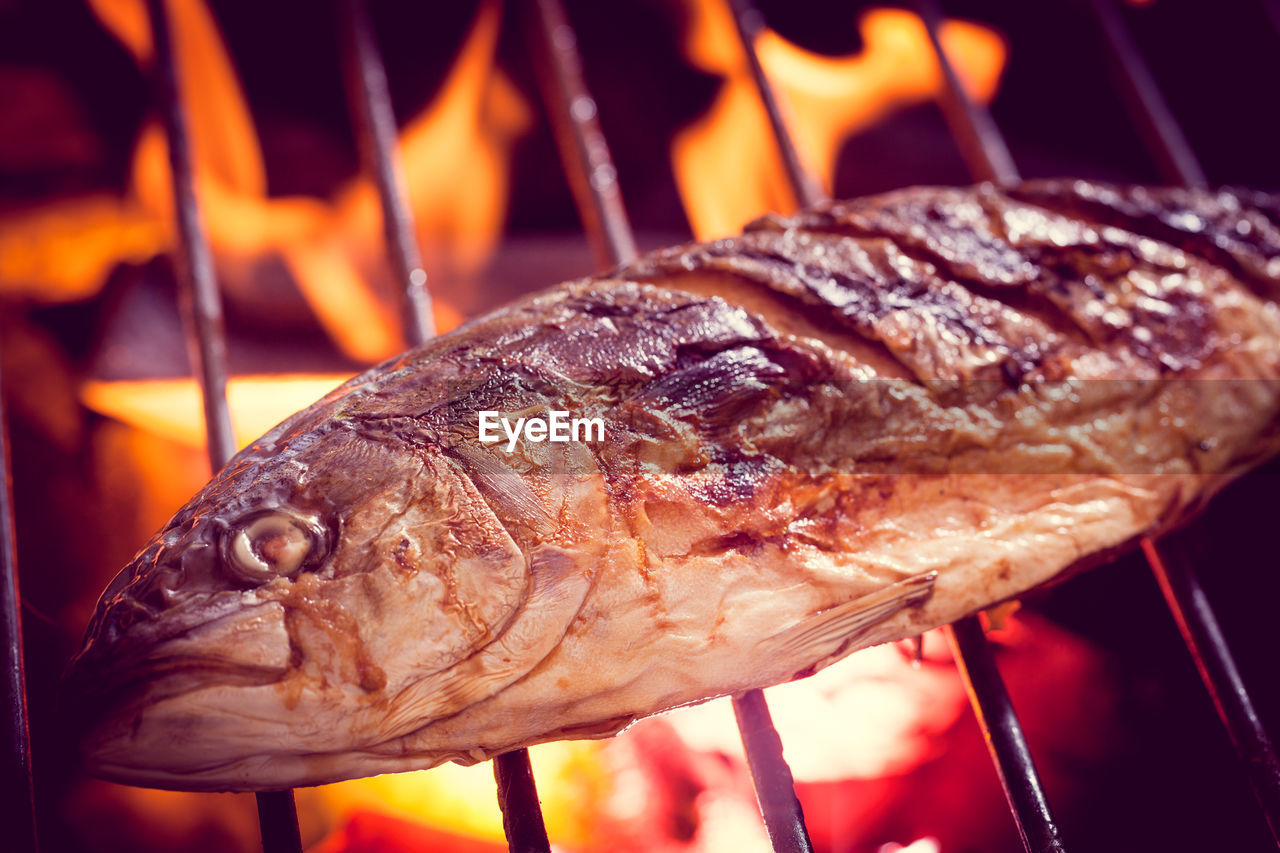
841, 428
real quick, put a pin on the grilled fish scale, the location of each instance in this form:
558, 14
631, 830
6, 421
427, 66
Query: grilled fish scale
841, 428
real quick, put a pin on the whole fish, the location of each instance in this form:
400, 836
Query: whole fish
724, 466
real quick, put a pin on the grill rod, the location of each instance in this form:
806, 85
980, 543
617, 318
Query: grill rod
193, 262
1200, 630
1003, 733
585, 154
748, 22
583, 149
15, 775
1182, 592
202, 309
1176, 578
376, 126
771, 775
981, 144
984, 148
1159, 129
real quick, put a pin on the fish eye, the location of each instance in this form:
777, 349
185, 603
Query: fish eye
270, 545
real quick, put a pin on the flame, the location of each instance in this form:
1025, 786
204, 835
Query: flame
171, 408
727, 166
375, 832
334, 248
572, 784
871, 716
455, 158
225, 146
64, 251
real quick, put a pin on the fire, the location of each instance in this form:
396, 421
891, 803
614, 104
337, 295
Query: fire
455, 158
883, 752
869, 717
334, 248
63, 251
171, 408
727, 165
573, 784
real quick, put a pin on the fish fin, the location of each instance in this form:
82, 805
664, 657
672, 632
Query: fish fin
830, 632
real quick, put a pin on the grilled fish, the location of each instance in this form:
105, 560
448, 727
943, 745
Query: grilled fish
838, 429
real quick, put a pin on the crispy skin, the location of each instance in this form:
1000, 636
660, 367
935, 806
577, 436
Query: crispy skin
841, 428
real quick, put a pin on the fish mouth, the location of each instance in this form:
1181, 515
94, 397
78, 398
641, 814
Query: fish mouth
113, 688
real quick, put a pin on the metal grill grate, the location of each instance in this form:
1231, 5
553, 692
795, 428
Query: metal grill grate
594, 181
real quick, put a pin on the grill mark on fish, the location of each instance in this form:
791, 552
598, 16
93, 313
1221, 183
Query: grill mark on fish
1235, 229
619, 335
953, 234
1163, 324
993, 270
715, 389
771, 272
866, 287
791, 316
968, 237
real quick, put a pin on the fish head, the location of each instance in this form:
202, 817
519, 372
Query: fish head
276, 618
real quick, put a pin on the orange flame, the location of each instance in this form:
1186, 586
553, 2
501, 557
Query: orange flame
455, 159
726, 164
171, 408
573, 783
334, 249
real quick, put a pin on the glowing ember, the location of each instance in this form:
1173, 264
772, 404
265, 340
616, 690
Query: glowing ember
923, 845
882, 751
726, 164
870, 716
572, 785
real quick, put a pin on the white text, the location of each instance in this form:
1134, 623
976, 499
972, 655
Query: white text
558, 427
